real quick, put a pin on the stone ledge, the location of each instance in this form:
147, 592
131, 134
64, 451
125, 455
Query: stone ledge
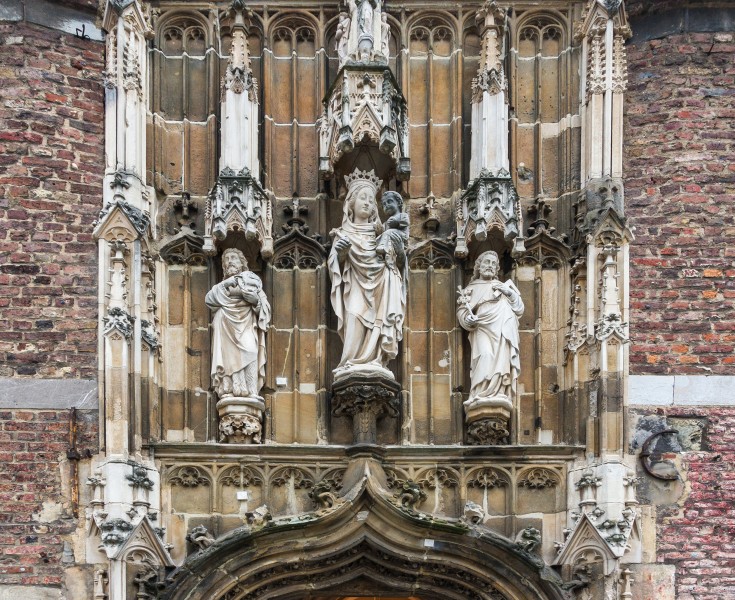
681, 20
682, 390
52, 15
48, 393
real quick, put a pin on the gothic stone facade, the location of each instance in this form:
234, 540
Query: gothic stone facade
583, 142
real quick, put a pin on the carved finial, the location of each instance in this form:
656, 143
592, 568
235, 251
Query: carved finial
490, 15
539, 211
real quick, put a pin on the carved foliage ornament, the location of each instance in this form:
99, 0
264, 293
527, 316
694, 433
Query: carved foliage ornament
488, 432
288, 475
492, 81
355, 399
439, 478
188, 477
139, 478
487, 479
118, 320
138, 219
538, 478
242, 477
240, 428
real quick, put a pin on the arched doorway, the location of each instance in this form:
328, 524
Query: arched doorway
363, 544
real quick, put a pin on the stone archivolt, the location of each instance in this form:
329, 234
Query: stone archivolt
366, 542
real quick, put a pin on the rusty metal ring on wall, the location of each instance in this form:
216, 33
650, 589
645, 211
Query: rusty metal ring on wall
646, 453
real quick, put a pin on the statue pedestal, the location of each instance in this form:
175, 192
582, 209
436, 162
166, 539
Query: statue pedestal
366, 399
240, 419
488, 420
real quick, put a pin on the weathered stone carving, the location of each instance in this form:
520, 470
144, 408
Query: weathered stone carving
239, 204
365, 399
473, 513
528, 539
409, 495
538, 478
139, 478
115, 531
188, 477
100, 584
368, 290
118, 320
365, 106
489, 310
200, 537
242, 316
258, 518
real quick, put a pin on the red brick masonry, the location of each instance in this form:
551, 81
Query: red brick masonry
51, 167
680, 198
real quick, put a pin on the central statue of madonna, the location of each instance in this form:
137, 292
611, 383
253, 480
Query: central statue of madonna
368, 288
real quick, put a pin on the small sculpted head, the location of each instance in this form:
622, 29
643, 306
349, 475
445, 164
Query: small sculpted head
486, 266
392, 203
233, 262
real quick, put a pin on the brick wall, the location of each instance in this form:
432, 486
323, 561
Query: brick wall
696, 533
51, 166
680, 185
37, 514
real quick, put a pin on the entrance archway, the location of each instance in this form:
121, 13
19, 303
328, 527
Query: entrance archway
364, 544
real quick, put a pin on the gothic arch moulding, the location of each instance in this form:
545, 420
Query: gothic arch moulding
363, 543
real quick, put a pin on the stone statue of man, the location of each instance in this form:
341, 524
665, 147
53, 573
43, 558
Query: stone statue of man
242, 315
489, 309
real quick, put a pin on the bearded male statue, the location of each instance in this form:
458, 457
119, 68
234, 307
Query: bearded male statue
489, 310
242, 315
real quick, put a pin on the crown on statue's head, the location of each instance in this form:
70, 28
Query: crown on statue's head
365, 177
